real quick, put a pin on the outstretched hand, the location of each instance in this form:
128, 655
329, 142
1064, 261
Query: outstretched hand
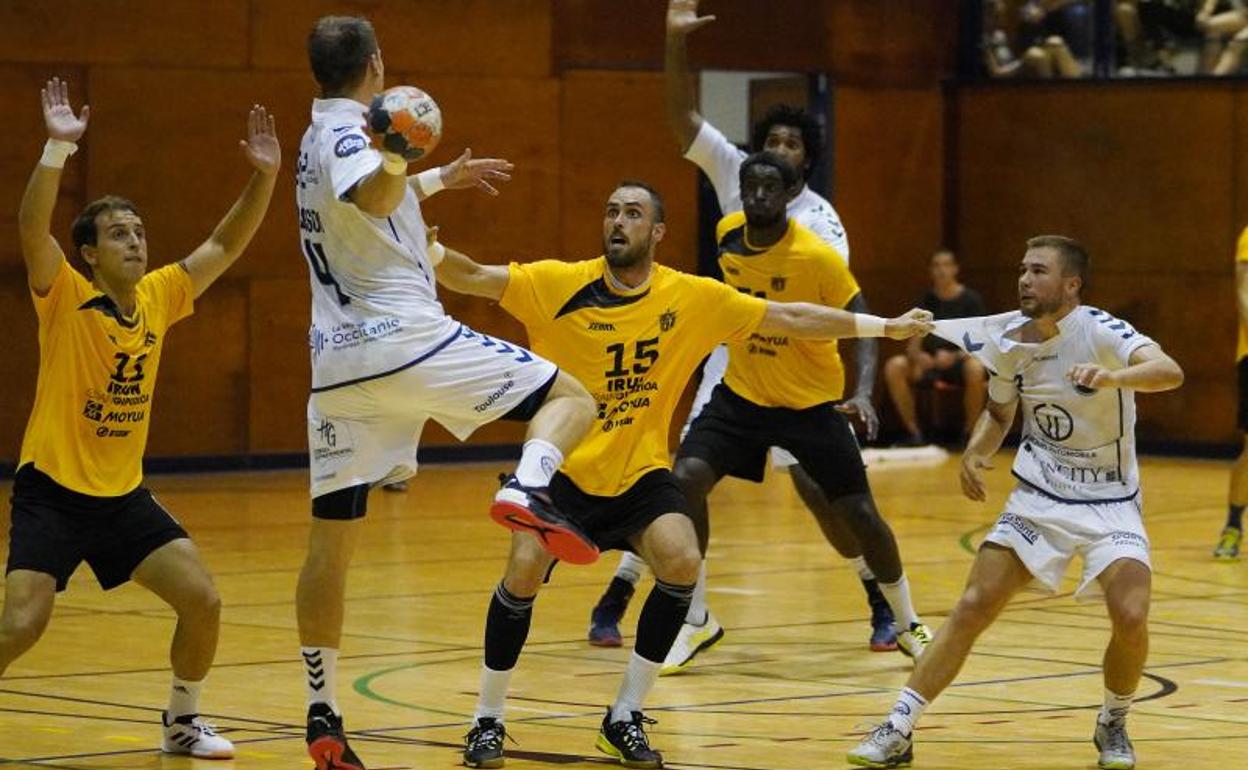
912, 324
683, 18
261, 147
482, 173
58, 114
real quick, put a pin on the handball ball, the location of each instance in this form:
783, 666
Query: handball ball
406, 120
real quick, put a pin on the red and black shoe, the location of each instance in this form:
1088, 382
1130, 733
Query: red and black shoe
529, 509
327, 744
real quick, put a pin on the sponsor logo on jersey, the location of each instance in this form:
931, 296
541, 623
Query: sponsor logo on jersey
599, 326
349, 145
778, 282
1053, 421
667, 320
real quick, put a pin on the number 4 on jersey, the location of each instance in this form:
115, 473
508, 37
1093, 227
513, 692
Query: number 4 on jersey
320, 268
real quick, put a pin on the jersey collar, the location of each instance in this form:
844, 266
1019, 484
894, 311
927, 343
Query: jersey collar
338, 106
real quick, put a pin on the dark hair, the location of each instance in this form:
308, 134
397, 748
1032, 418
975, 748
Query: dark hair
787, 172
787, 115
655, 199
83, 231
943, 250
339, 48
1074, 256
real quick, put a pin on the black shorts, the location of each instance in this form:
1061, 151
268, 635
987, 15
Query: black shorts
733, 434
1243, 393
55, 529
611, 521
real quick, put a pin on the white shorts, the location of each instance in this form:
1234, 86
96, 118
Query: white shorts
1047, 534
712, 374
367, 433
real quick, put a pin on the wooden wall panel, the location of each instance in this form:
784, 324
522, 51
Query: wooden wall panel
200, 406
19, 364
460, 37
278, 365
181, 165
187, 33
614, 128
898, 43
889, 188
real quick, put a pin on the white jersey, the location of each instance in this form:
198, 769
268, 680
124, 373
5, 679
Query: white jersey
1078, 445
721, 161
375, 306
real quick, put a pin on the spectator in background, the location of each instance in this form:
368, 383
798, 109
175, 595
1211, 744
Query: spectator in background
1226, 36
1068, 22
1148, 30
1045, 59
929, 360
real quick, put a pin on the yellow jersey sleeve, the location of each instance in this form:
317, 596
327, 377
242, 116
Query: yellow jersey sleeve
837, 285
1241, 249
67, 286
531, 288
730, 315
172, 295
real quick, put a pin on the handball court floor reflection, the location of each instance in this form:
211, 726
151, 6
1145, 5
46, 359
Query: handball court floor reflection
789, 688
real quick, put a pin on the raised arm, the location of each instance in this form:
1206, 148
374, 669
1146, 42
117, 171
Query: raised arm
231, 236
40, 251
806, 320
682, 112
463, 275
463, 172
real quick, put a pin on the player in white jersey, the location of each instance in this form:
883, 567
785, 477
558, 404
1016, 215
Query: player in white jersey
796, 136
1074, 370
386, 357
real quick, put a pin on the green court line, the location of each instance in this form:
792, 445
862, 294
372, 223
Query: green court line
965, 540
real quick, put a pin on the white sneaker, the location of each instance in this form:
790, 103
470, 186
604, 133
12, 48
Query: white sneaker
188, 734
884, 746
1115, 747
914, 640
689, 642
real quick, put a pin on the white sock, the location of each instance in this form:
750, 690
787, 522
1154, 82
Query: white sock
907, 710
493, 693
538, 463
898, 596
860, 564
697, 613
1115, 708
184, 698
320, 666
630, 568
638, 680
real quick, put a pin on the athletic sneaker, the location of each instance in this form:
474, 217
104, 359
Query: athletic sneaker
883, 635
1228, 544
604, 620
188, 734
627, 741
1115, 747
483, 745
914, 640
884, 746
689, 642
529, 509
327, 744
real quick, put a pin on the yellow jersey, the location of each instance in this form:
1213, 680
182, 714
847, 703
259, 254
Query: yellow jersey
97, 369
776, 370
633, 350
1241, 255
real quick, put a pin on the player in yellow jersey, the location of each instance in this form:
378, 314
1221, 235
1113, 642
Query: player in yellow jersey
78, 494
633, 332
1233, 533
783, 391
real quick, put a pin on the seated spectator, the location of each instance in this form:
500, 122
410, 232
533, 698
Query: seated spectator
1149, 31
1049, 58
1226, 36
933, 362
1060, 25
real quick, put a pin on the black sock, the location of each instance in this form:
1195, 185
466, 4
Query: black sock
661, 619
506, 628
1235, 516
618, 593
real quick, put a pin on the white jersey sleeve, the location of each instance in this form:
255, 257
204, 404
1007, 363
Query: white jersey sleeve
348, 159
721, 161
1114, 339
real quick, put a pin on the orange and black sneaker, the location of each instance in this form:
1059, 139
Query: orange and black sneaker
327, 744
530, 509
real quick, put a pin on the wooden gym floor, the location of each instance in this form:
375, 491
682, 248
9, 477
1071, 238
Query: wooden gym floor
787, 688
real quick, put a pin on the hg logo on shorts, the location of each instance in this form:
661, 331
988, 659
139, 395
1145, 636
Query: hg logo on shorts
1020, 525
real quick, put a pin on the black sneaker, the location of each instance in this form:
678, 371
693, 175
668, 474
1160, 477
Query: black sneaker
604, 621
627, 741
529, 509
483, 745
327, 745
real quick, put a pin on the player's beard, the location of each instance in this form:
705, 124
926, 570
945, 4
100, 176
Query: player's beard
627, 256
1040, 307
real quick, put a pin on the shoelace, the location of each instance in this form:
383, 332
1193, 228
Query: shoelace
495, 732
201, 727
1116, 737
634, 731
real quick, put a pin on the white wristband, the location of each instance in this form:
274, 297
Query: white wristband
430, 181
393, 163
56, 151
436, 252
866, 325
